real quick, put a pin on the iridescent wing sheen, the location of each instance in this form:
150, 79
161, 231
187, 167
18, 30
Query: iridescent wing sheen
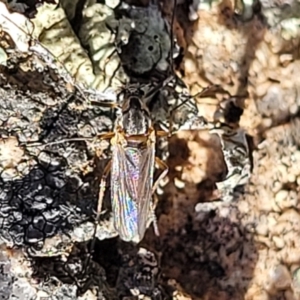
131, 189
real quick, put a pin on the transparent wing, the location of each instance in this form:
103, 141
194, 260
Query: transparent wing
147, 165
131, 189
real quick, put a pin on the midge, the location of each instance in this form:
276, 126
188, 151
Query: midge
132, 167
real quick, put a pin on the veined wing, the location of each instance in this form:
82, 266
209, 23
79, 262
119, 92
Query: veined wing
131, 190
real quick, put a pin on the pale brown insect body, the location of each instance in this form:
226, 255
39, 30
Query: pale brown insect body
132, 170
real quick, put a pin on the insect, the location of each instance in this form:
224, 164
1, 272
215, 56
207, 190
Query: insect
132, 167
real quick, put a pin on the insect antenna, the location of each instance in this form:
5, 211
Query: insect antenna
37, 144
199, 94
172, 34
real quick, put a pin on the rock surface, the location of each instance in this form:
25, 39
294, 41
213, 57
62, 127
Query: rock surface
223, 233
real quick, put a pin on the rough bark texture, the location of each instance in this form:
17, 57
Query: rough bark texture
236, 239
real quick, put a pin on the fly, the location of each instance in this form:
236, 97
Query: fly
132, 170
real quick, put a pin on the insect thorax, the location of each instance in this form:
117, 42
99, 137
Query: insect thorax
135, 119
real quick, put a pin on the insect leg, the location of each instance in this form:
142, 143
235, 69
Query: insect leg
165, 168
102, 188
106, 135
111, 104
154, 220
198, 122
162, 133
